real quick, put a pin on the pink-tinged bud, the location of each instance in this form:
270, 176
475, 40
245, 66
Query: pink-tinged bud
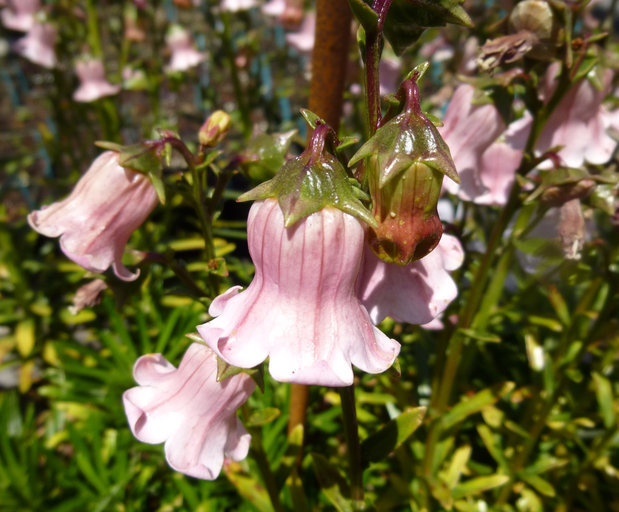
405, 162
301, 309
189, 411
214, 129
95, 222
93, 84
416, 293
38, 45
19, 15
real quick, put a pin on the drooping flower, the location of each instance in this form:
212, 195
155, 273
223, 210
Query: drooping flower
95, 222
301, 309
93, 84
189, 411
302, 39
184, 55
579, 123
469, 130
19, 15
38, 45
416, 293
237, 5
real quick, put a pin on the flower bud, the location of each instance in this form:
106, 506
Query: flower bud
405, 162
214, 129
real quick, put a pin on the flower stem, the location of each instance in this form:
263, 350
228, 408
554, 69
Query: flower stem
351, 432
372, 60
236, 82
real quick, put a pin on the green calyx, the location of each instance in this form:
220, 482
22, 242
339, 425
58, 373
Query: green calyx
312, 181
407, 139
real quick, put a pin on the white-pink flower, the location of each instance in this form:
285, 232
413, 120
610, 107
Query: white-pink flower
469, 130
38, 45
301, 310
237, 5
416, 293
93, 84
303, 38
95, 222
19, 15
579, 123
184, 55
189, 411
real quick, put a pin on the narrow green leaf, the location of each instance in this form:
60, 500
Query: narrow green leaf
604, 395
456, 466
248, 487
560, 306
478, 485
24, 337
332, 483
492, 443
262, 417
476, 403
539, 484
380, 444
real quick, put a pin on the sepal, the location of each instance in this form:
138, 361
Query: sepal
312, 181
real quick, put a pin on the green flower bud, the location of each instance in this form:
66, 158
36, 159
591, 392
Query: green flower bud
312, 181
214, 129
405, 161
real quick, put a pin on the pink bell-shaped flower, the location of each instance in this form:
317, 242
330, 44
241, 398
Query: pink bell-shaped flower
184, 55
416, 293
93, 84
38, 45
189, 410
469, 130
301, 309
579, 123
94, 223
19, 15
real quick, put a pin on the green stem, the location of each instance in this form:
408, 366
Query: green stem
236, 82
93, 29
351, 432
268, 478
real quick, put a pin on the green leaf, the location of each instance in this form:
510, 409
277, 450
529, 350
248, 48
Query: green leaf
24, 337
332, 483
248, 487
560, 306
312, 119
379, 445
291, 456
478, 485
476, 403
407, 19
492, 443
158, 185
366, 16
262, 417
457, 465
604, 395
539, 484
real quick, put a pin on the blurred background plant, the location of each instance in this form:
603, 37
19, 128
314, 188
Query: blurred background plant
519, 381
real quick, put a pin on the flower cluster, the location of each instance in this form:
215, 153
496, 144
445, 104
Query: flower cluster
318, 292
